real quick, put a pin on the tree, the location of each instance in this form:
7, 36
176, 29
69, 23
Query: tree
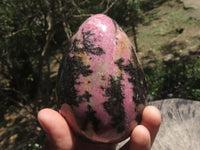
134, 16
33, 34
33, 37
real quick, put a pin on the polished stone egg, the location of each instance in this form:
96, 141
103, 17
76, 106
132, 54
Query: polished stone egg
101, 84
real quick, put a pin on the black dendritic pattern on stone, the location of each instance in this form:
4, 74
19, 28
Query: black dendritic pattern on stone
87, 96
136, 78
90, 114
75, 45
114, 106
119, 63
141, 82
70, 70
91, 118
89, 46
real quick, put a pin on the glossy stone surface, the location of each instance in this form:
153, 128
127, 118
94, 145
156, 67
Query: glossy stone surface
101, 86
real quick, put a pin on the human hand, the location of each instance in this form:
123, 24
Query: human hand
60, 136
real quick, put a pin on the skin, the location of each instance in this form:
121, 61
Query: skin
60, 136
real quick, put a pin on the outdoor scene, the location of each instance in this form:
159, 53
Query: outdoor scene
34, 35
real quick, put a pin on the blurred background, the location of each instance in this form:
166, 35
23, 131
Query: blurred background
35, 34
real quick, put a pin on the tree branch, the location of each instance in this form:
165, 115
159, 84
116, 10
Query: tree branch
49, 34
82, 15
109, 7
14, 33
66, 26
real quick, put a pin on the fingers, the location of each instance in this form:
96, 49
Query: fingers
57, 129
60, 136
144, 135
140, 139
151, 119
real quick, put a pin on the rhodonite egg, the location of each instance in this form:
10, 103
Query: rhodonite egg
101, 84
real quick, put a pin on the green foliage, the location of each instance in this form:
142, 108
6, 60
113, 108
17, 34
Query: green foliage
133, 6
126, 12
197, 69
34, 146
34, 32
174, 79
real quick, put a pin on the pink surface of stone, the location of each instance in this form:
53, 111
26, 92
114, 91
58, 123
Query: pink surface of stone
102, 89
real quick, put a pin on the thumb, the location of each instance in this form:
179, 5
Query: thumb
59, 134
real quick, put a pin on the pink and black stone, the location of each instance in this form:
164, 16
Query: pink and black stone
101, 84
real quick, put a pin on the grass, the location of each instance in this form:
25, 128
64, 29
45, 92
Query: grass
169, 50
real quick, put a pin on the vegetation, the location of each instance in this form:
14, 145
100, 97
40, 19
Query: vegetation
35, 34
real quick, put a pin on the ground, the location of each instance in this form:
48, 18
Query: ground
169, 33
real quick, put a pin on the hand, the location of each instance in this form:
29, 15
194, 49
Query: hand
60, 137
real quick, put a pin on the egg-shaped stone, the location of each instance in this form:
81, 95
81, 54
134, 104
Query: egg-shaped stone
101, 84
